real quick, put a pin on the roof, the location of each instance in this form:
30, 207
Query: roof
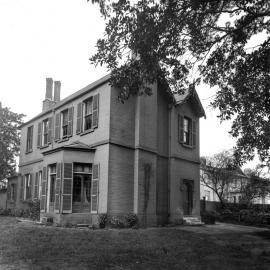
74, 146
191, 95
73, 96
177, 99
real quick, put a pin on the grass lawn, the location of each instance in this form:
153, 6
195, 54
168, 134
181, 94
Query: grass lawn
27, 246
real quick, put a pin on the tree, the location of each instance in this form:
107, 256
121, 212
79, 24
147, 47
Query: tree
257, 186
185, 41
9, 141
217, 173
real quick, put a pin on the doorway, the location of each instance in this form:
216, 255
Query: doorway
187, 192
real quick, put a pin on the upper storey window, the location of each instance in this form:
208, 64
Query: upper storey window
87, 114
186, 131
44, 132
29, 139
63, 124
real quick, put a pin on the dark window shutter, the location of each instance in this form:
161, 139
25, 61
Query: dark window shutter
43, 190
39, 134
180, 128
50, 129
95, 110
57, 188
95, 189
70, 121
57, 127
67, 186
36, 187
194, 133
79, 118
22, 188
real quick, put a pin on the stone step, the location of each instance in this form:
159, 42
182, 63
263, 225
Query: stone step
192, 221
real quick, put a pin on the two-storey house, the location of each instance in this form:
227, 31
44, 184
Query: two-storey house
90, 154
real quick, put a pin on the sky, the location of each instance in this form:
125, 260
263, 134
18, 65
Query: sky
55, 38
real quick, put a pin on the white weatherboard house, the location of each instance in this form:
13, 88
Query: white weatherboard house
90, 154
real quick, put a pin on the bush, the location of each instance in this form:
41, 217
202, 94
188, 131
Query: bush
102, 220
209, 217
131, 220
124, 221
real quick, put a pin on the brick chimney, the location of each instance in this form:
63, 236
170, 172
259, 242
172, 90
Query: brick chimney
57, 91
48, 101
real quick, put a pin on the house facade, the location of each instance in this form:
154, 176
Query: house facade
90, 154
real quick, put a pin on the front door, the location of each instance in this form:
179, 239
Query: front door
187, 197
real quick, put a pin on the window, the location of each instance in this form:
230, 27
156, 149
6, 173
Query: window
29, 140
45, 128
27, 191
187, 131
88, 114
65, 124
52, 183
39, 183
82, 188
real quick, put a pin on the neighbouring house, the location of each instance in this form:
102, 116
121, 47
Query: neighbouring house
233, 190
90, 154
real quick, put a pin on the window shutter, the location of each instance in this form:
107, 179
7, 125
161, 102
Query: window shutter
95, 110
43, 196
39, 134
180, 128
57, 127
57, 188
79, 118
95, 189
50, 125
22, 188
193, 133
31, 139
70, 121
67, 186
36, 187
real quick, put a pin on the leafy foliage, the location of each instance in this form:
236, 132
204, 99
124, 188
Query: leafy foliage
184, 41
9, 141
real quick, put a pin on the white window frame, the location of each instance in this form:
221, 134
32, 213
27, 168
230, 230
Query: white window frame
43, 132
84, 113
61, 124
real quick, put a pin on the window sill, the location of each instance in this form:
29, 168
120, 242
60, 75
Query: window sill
44, 146
187, 146
63, 139
29, 151
87, 132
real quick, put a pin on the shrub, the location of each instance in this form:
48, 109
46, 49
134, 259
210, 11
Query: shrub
209, 217
102, 220
131, 220
124, 221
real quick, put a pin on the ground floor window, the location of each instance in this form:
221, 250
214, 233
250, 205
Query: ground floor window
27, 187
52, 178
81, 198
